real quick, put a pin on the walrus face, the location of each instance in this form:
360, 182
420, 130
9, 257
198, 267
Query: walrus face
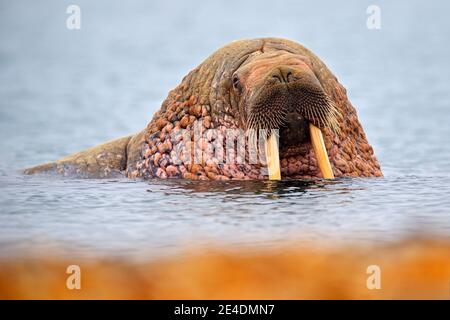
280, 91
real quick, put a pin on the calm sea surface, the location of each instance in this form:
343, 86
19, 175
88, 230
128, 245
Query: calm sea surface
62, 91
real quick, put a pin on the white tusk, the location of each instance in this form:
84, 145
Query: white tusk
320, 151
273, 157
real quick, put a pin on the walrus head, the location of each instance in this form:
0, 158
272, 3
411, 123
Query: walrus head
279, 91
256, 84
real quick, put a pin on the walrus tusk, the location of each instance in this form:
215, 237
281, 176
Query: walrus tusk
272, 157
321, 152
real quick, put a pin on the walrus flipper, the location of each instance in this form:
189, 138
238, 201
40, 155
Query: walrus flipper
103, 161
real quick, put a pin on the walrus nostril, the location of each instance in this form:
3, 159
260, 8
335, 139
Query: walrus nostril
282, 74
277, 78
289, 77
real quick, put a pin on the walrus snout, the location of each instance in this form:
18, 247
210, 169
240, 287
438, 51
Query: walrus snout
282, 75
289, 93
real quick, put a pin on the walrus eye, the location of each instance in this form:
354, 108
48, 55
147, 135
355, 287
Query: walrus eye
237, 84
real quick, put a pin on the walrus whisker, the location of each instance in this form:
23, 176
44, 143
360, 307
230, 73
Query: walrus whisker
317, 108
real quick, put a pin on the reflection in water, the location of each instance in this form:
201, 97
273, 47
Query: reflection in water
269, 189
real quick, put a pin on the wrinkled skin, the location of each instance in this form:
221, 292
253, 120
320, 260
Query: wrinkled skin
250, 84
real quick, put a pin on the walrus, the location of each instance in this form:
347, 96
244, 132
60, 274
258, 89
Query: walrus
210, 125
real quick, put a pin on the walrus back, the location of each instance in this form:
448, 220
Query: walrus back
102, 161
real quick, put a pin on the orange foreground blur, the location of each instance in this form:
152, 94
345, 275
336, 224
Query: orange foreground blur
409, 270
